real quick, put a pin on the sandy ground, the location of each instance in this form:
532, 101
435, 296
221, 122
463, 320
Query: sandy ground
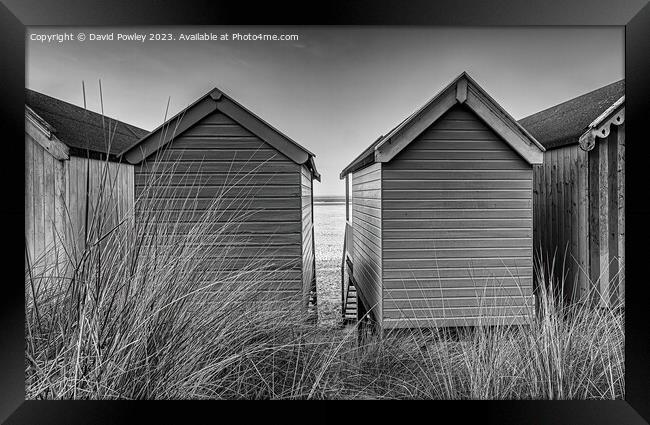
329, 229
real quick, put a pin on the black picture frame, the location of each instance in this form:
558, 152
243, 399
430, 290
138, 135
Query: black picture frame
15, 15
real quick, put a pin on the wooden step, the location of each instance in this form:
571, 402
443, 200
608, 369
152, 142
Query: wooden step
350, 311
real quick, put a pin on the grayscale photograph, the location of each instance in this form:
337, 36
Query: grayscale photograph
224, 212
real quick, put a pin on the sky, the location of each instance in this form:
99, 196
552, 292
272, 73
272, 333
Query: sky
334, 90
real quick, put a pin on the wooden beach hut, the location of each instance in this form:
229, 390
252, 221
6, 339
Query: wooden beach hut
579, 192
441, 226
256, 182
72, 168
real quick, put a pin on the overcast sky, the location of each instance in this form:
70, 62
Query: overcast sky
335, 90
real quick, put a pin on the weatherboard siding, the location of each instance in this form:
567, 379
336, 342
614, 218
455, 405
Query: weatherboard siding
308, 259
247, 194
367, 237
456, 224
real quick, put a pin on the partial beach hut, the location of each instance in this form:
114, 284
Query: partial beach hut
72, 169
441, 230
218, 161
580, 192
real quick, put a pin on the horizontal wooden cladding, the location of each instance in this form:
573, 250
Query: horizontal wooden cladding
218, 253
451, 164
203, 130
256, 267
457, 312
454, 292
433, 194
224, 203
475, 266
460, 185
462, 252
364, 218
456, 135
421, 204
465, 123
174, 154
374, 170
365, 202
260, 276
492, 320
373, 185
367, 228
219, 142
366, 222
479, 284
230, 198
368, 210
451, 174
243, 228
305, 176
283, 285
222, 179
403, 270
459, 154
267, 191
473, 213
461, 145
233, 240
223, 216
474, 300
217, 166
457, 233
461, 223
412, 244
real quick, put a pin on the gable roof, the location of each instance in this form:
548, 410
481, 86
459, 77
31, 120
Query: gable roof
462, 90
562, 124
210, 102
86, 133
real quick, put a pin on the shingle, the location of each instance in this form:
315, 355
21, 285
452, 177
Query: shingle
84, 132
563, 124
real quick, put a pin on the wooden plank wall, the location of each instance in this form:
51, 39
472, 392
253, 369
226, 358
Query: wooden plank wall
45, 221
308, 258
367, 237
580, 217
56, 195
457, 228
561, 217
607, 216
246, 196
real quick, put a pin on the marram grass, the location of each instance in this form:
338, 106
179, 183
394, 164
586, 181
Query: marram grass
138, 314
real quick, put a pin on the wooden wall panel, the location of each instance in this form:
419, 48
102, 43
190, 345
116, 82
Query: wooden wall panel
367, 237
308, 251
239, 191
457, 225
561, 218
56, 194
584, 192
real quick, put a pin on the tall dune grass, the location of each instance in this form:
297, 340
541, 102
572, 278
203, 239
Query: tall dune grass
148, 309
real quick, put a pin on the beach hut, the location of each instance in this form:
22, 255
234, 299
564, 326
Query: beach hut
72, 169
217, 159
441, 226
580, 192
